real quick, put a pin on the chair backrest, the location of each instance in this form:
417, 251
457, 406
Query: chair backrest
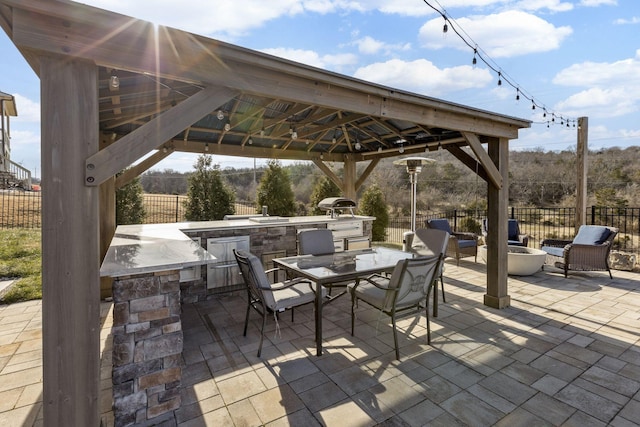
316, 242
435, 241
412, 278
439, 224
513, 232
254, 276
594, 235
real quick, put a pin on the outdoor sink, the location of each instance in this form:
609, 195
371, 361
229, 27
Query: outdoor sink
268, 219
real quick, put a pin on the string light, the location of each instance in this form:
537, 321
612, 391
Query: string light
480, 54
114, 80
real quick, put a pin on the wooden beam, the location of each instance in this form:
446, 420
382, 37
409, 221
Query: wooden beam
141, 141
134, 171
329, 173
475, 166
70, 244
492, 171
365, 174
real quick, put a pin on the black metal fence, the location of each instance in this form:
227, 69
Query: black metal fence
19, 209
538, 223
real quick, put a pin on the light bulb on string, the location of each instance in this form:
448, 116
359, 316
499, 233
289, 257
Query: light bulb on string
517, 94
499, 78
114, 80
475, 60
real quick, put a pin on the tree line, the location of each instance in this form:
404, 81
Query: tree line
537, 178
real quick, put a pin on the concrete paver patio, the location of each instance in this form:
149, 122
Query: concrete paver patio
565, 353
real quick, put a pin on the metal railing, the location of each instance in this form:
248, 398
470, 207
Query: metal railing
538, 223
17, 175
20, 209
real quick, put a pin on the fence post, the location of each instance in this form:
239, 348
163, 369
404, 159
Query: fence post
177, 206
593, 215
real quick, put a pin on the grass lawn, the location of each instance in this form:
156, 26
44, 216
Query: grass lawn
20, 258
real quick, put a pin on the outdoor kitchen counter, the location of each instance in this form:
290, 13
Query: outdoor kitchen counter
148, 248
155, 269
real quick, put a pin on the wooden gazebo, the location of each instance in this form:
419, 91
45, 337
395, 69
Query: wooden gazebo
115, 89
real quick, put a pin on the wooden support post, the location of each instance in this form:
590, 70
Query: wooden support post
70, 243
349, 178
497, 222
582, 169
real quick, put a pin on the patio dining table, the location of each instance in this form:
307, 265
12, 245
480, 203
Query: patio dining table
340, 267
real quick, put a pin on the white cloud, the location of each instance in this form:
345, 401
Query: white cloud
551, 5
627, 21
310, 57
28, 110
600, 102
506, 34
595, 3
370, 46
220, 18
611, 88
624, 72
422, 76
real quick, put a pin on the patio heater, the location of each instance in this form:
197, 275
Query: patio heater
414, 167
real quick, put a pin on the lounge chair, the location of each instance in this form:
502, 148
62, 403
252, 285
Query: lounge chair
460, 244
588, 251
514, 237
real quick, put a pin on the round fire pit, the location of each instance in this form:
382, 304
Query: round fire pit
521, 261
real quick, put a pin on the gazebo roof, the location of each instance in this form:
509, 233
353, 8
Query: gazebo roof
262, 98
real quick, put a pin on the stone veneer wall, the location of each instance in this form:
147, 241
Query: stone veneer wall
147, 348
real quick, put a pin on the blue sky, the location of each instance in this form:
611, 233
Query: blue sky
575, 58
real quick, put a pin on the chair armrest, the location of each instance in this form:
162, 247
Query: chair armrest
464, 235
555, 243
587, 249
287, 284
271, 270
374, 283
590, 255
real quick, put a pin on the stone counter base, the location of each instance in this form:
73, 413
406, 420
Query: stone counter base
147, 348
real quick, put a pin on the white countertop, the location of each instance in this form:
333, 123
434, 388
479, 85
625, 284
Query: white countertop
149, 248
